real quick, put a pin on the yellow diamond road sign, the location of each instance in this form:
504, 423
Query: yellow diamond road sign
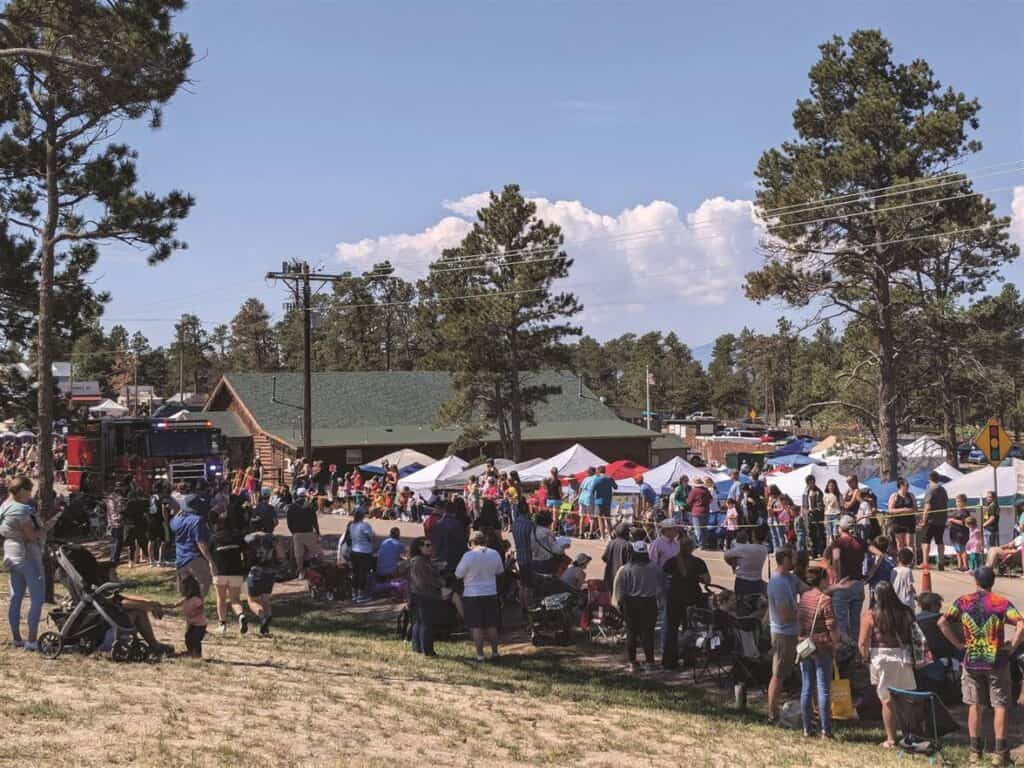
993, 442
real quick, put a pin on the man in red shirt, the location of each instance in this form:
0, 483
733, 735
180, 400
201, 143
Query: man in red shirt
846, 557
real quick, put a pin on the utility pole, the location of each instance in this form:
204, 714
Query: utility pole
298, 277
647, 382
181, 366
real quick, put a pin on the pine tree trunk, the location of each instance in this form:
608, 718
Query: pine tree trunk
949, 421
886, 382
44, 351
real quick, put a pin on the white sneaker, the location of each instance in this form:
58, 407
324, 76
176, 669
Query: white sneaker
223, 629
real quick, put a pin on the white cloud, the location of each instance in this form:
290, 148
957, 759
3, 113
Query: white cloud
645, 267
1017, 216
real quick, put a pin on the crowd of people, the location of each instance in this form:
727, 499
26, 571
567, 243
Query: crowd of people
843, 570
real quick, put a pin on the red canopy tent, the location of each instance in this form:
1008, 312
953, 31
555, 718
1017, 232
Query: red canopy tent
618, 470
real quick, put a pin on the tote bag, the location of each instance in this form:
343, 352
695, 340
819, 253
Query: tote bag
842, 697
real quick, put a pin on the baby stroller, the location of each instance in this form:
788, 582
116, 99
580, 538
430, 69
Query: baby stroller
89, 613
327, 581
555, 617
603, 620
710, 639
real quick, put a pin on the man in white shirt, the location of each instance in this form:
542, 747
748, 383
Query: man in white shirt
479, 570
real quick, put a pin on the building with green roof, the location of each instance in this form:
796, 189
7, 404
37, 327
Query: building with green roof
360, 415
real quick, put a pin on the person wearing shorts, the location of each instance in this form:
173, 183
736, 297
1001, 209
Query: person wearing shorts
783, 601
985, 682
934, 513
227, 547
259, 583
479, 570
191, 541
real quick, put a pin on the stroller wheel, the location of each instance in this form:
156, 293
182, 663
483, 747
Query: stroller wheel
50, 645
138, 650
314, 593
329, 596
403, 625
121, 651
537, 639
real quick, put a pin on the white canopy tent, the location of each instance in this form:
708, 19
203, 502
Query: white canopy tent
425, 480
570, 461
401, 459
522, 465
948, 470
793, 483
107, 408
660, 478
923, 447
457, 481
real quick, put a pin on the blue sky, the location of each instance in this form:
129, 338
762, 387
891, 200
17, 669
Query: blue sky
322, 130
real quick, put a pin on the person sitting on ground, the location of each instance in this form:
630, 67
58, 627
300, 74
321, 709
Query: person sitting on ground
928, 617
981, 617
576, 574
389, 554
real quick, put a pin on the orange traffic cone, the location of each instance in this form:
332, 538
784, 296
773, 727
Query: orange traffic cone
926, 578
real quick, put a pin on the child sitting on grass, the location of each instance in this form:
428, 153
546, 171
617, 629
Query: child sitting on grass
191, 605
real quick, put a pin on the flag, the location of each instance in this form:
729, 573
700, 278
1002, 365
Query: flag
650, 379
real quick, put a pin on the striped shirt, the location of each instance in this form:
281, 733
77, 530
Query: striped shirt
522, 535
806, 606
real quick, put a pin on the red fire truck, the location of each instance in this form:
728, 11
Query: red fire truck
102, 452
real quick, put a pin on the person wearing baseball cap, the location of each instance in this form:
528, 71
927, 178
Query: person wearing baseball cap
638, 584
974, 624
846, 554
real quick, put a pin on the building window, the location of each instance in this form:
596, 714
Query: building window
353, 455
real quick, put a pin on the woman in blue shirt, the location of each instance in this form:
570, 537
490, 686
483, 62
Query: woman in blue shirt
23, 558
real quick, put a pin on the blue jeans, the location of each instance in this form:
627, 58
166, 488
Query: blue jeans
26, 575
832, 526
801, 540
991, 538
847, 603
697, 521
816, 673
778, 534
425, 611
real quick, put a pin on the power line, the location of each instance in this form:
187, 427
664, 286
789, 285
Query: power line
957, 177
687, 228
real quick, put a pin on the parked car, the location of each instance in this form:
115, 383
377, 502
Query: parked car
697, 460
701, 416
976, 456
775, 435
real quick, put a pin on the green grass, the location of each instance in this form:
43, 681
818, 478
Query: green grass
327, 663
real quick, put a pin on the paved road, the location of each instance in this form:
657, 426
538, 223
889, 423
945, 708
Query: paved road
949, 584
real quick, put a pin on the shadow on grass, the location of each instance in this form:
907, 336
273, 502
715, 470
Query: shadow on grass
540, 674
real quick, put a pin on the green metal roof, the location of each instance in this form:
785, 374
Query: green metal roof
400, 407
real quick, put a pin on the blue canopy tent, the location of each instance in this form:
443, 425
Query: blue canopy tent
883, 491
406, 459
792, 460
722, 487
795, 446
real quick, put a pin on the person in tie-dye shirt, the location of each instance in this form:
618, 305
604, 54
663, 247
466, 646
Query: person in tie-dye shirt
982, 616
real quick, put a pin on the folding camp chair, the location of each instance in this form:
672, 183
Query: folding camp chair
923, 719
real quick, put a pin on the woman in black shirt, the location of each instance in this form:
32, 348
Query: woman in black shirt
685, 574
227, 549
